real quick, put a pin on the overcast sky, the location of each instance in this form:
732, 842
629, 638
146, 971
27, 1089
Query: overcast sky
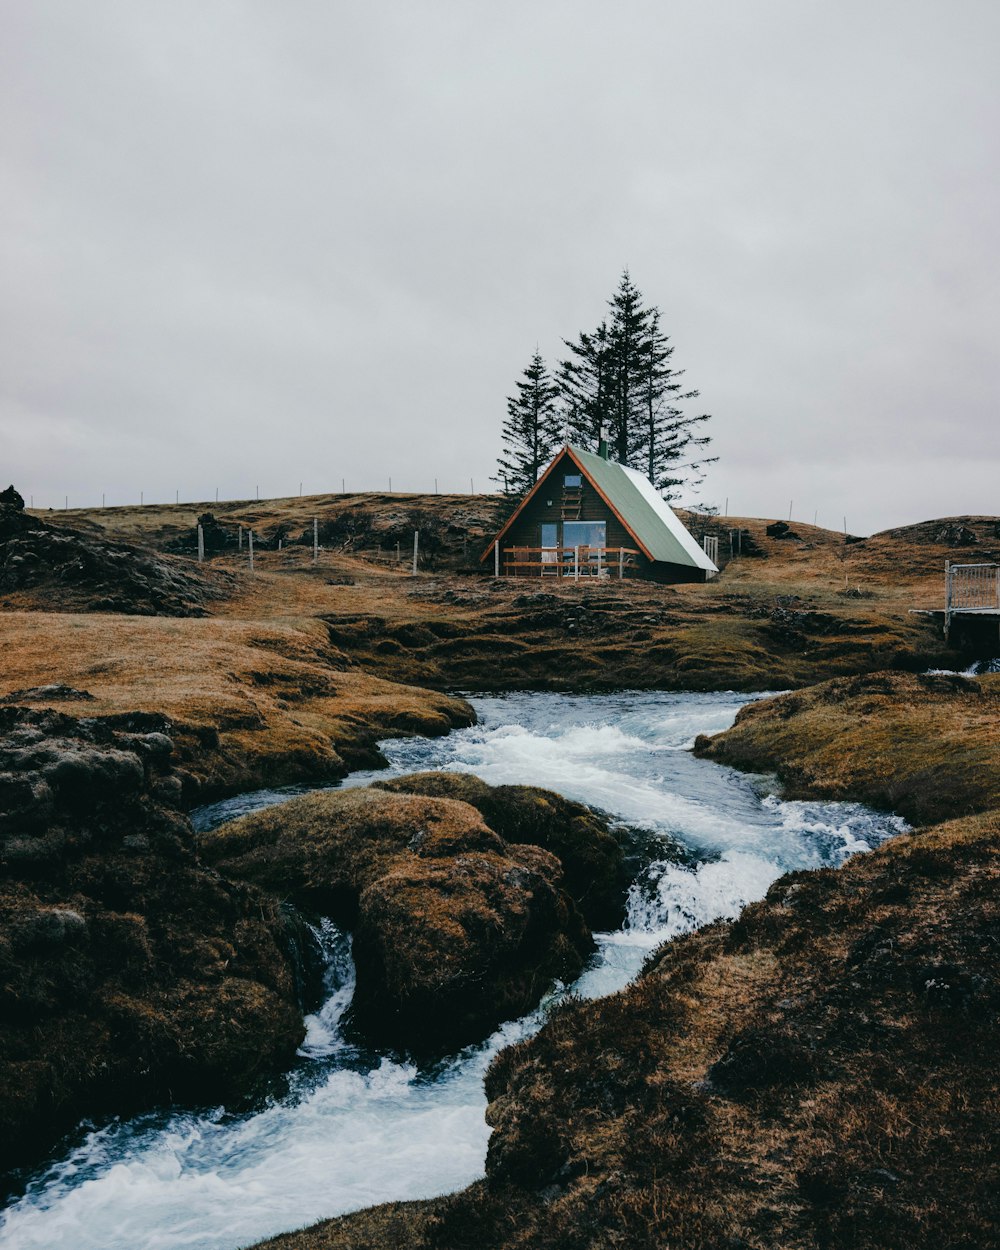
256, 243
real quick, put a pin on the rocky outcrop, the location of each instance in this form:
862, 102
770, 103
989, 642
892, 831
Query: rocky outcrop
820, 1073
926, 746
455, 929
129, 973
68, 570
596, 873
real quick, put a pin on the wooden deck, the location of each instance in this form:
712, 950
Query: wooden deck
568, 562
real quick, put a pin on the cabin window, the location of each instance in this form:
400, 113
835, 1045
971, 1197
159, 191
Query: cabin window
573, 479
585, 533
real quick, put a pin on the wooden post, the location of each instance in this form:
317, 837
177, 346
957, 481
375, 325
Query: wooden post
140, 499
576, 563
216, 494
315, 539
177, 496
241, 538
201, 545
435, 486
250, 537
102, 500
416, 550
790, 502
496, 557
621, 564
600, 563
342, 489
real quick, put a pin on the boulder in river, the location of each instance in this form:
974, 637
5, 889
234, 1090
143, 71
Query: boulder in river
455, 928
594, 865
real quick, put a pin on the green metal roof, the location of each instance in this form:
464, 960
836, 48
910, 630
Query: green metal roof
649, 517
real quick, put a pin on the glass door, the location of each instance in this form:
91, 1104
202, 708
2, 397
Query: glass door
550, 547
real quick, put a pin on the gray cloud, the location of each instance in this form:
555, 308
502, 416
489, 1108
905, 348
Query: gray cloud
263, 244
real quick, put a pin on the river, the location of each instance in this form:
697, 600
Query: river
353, 1128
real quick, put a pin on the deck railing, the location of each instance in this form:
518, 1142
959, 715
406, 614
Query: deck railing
574, 562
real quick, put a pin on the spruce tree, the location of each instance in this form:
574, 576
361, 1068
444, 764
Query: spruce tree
628, 346
619, 383
667, 438
532, 433
585, 388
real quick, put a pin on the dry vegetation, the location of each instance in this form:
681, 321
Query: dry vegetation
252, 703
925, 746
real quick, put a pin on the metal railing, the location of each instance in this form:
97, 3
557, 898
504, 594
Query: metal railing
574, 562
970, 588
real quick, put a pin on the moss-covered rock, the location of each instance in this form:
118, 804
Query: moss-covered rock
455, 929
926, 746
129, 972
593, 862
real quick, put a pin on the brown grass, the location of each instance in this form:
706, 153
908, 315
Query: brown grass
925, 746
253, 702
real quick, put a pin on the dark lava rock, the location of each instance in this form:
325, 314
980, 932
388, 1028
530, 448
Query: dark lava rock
781, 529
130, 974
12, 499
57, 693
70, 571
455, 929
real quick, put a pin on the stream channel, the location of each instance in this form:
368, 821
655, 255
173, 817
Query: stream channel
351, 1127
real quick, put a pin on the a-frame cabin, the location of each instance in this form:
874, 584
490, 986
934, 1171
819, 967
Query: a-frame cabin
588, 516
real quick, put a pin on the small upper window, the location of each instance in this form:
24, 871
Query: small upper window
572, 479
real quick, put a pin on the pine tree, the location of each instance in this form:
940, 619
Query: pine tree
628, 346
620, 384
585, 388
532, 433
667, 438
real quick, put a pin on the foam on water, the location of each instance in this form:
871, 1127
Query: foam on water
357, 1129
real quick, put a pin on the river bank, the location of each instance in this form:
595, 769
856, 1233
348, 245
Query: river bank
819, 1072
356, 1125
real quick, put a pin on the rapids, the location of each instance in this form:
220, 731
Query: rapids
350, 1128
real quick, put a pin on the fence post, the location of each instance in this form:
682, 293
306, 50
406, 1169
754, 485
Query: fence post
201, 545
315, 539
250, 537
416, 550
241, 538
621, 564
576, 563
600, 563
496, 557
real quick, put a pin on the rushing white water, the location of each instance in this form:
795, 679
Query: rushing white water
359, 1128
